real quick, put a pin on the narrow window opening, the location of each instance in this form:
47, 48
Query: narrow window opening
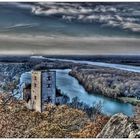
49, 78
49, 86
35, 78
35, 85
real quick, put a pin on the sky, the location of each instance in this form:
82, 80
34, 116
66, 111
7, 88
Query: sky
70, 28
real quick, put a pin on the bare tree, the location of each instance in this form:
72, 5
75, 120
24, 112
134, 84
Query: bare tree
137, 114
8, 98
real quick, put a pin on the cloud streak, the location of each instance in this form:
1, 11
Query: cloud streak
122, 15
67, 45
70, 28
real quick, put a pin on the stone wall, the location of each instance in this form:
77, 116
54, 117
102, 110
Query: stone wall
36, 90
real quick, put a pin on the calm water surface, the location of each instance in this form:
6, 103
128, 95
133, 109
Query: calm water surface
70, 86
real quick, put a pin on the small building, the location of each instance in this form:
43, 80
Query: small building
42, 91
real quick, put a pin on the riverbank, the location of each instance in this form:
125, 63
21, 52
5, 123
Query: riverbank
109, 81
72, 88
118, 84
130, 100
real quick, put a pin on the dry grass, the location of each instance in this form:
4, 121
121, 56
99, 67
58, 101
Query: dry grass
55, 122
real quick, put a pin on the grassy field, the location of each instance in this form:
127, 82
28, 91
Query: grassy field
131, 100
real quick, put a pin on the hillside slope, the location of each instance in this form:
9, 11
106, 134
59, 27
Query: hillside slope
56, 122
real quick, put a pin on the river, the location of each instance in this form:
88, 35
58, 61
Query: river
71, 87
109, 65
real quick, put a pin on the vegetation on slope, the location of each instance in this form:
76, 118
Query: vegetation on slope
109, 82
55, 122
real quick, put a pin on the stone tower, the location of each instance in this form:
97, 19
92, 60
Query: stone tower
43, 89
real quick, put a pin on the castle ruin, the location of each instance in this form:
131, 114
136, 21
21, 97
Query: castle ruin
42, 91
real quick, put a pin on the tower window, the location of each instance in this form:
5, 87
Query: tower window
49, 100
35, 85
49, 77
35, 97
49, 85
35, 78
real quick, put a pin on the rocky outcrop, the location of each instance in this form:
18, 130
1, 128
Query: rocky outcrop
120, 126
134, 134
